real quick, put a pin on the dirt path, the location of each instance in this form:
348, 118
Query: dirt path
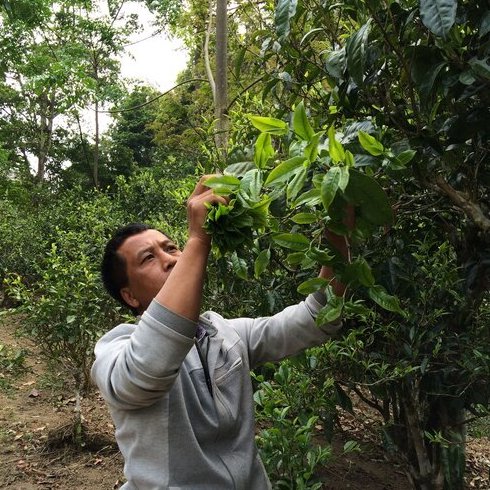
36, 410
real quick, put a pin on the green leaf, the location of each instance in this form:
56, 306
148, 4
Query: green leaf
263, 150
312, 285
269, 125
239, 266
239, 61
261, 262
335, 63
344, 178
238, 169
481, 66
310, 198
438, 15
426, 67
390, 303
330, 186
351, 446
335, 149
295, 258
296, 184
304, 218
301, 125
349, 159
359, 270
293, 241
404, 158
251, 184
222, 180
370, 144
320, 256
284, 170
372, 200
331, 311
311, 149
355, 50
285, 11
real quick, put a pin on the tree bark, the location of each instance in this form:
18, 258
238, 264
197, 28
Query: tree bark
207, 62
96, 147
221, 99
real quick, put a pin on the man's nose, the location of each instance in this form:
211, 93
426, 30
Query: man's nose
167, 261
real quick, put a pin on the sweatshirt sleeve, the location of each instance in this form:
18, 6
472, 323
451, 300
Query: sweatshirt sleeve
136, 364
286, 333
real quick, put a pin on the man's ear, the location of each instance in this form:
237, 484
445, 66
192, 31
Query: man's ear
128, 297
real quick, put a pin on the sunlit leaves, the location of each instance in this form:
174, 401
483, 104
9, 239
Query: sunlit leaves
312, 285
284, 170
269, 125
370, 144
330, 186
223, 184
301, 125
335, 148
263, 150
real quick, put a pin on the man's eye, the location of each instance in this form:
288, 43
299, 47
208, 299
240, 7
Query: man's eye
146, 258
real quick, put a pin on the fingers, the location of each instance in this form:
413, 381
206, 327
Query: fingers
207, 195
197, 208
200, 187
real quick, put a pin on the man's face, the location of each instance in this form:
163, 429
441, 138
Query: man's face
150, 257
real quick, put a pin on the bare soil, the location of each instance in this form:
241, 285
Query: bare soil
37, 449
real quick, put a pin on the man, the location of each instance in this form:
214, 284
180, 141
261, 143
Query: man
177, 383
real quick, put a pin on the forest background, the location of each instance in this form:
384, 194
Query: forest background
313, 111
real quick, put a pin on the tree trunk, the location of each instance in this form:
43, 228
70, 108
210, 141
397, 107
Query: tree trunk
45, 134
438, 464
207, 62
221, 99
96, 147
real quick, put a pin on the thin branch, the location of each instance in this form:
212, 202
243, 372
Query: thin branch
118, 111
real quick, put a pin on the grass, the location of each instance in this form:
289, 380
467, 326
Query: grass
480, 427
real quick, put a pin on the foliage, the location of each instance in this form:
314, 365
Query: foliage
66, 307
132, 141
55, 63
12, 363
61, 292
313, 187
415, 77
289, 409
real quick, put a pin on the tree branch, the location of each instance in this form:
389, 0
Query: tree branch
471, 209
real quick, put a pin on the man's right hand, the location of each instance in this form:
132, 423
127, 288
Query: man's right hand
197, 210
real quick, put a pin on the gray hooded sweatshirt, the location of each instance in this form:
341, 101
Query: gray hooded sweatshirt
183, 410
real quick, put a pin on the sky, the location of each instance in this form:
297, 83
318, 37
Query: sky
156, 60
151, 58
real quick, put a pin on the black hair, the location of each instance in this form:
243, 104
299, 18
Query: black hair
113, 266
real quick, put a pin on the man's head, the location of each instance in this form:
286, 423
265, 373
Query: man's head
136, 264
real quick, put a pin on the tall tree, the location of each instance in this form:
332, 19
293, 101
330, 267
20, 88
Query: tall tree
416, 75
58, 58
